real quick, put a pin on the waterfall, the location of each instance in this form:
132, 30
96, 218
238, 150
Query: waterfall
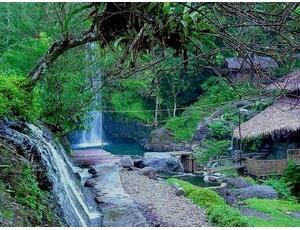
93, 134
65, 185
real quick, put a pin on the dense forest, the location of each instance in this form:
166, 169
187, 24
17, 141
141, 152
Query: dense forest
163, 66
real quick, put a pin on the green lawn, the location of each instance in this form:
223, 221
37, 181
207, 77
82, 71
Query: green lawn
277, 210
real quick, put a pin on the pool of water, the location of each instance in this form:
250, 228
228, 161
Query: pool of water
124, 149
118, 148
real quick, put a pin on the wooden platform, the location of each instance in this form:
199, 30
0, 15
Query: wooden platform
93, 157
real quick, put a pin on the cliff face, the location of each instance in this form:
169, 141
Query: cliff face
25, 190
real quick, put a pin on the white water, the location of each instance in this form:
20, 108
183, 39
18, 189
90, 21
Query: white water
93, 135
61, 172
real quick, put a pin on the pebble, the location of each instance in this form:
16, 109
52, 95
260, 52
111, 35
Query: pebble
161, 199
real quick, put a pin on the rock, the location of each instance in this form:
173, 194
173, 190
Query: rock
162, 162
92, 171
149, 172
162, 140
98, 200
178, 190
227, 195
254, 213
295, 214
89, 183
256, 191
126, 162
236, 182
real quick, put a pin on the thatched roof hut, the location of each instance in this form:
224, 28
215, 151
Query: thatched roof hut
283, 115
289, 83
261, 62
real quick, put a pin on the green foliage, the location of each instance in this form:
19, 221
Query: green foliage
292, 177
130, 104
226, 216
277, 209
229, 172
219, 213
21, 60
250, 180
220, 130
14, 100
282, 187
211, 149
218, 93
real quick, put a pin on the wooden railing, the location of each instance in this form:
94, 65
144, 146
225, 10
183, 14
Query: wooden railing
293, 154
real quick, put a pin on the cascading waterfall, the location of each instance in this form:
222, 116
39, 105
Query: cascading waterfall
93, 135
62, 174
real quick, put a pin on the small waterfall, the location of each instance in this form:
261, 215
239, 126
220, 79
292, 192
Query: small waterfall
93, 135
62, 174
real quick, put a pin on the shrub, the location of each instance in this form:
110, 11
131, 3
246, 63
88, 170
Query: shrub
226, 216
220, 130
292, 176
14, 101
211, 149
281, 186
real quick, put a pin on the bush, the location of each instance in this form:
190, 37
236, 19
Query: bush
219, 213
220, 130
211, 149
226, 216
292, 176
282, 187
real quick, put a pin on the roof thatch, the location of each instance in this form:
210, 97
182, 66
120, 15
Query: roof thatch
283, 115
289, 83
260, 62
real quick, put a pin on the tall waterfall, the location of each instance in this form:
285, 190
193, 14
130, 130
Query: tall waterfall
93, 134
66, 179
62, 175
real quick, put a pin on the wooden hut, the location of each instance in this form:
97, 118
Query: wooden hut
278, 127
252, 68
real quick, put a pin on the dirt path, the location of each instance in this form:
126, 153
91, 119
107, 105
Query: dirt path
159, 203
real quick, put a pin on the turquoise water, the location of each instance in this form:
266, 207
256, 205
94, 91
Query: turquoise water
119, 149
124, 149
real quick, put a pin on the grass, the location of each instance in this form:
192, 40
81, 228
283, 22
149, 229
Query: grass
277, 210
218, 211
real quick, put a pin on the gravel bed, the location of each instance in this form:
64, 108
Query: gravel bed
159, 203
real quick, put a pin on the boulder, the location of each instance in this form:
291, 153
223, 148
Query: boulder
149, 172
162, 140
256, 191
90, 183
126, 162
162, 162
236, 182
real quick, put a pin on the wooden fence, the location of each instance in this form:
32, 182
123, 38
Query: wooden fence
293, 154
260, 168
